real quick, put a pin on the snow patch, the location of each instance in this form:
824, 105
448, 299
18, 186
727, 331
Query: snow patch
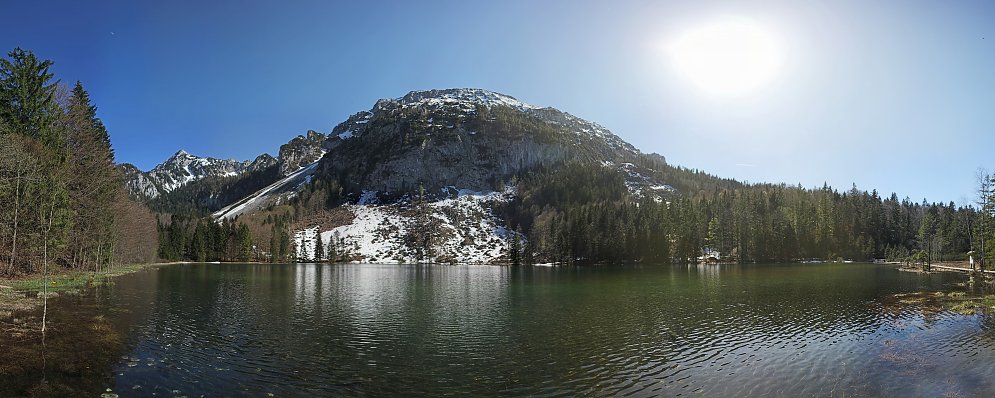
304, 242
260, 197
464, 230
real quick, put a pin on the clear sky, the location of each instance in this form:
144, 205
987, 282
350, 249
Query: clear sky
893, 95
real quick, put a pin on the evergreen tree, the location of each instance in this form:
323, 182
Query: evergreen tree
61, 192
985, 220
92, 179
27, 97
333, 252
319, 248
284, 245
245, 243
515, 249
200, 243
274, 246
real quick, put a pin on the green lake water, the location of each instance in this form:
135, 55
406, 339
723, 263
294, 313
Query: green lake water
418, 330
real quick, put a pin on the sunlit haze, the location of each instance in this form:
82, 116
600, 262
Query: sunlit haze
730, 57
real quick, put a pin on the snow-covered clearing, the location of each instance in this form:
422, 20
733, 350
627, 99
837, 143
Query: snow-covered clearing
459, 229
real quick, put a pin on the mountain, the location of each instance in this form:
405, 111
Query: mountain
185, 183
440, 142
183, 168
474, 176
455, 175
448, 161
460, 138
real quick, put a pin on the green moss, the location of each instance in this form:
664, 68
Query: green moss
964, 307
988, 301
957, 302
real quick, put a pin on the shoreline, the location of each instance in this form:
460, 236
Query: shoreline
68, 279
25, 293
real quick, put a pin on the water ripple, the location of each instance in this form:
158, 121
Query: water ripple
370, 330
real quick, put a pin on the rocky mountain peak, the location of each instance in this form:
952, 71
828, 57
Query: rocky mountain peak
180, 169
461, 95
461, 137
300, 152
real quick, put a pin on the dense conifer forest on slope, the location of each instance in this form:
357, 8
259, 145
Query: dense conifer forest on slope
575, 214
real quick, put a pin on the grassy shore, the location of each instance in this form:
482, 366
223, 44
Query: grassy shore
67, 279
26, 293
70, 367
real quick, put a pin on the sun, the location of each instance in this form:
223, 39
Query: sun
730, 57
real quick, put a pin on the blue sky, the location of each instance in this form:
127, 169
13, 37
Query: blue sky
896, 96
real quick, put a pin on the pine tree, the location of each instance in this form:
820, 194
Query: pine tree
333, 251
245, 242
284, 245
27, 97
274, 245
199, 245
92, 179
515, 249
985, 223
319, 248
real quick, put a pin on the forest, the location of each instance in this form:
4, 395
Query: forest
582, 214
187, 238
62, 196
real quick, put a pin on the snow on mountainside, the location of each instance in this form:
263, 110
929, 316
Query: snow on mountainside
268, 195
448, 141
464, 97
638, 182
460, 228
183, 168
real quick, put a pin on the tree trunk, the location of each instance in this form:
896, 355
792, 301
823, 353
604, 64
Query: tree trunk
13, 245
44, 314
96, 263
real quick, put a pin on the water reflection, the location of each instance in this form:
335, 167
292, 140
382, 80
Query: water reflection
334, 330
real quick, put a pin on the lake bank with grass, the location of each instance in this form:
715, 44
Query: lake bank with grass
21, 297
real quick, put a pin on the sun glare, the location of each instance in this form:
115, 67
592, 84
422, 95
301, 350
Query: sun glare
730, 58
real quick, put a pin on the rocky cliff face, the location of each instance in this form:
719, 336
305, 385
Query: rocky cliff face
300, 152
463, 138
137, 183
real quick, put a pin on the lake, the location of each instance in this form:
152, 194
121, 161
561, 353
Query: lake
422, 330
